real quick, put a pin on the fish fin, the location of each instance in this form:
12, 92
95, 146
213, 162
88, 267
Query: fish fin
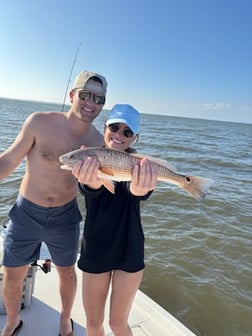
109, 185
163, 163
197, 186
107, 171
103, 176
158, 161
107, 181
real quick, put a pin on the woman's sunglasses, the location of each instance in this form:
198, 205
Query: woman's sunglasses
97, 99
126, 131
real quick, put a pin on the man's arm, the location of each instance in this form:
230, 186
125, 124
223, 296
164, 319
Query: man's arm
14, 155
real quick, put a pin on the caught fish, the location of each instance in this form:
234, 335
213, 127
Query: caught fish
118, 166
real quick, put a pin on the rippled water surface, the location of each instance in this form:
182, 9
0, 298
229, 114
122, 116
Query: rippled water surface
198, 254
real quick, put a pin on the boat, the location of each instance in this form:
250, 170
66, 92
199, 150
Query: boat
40, 309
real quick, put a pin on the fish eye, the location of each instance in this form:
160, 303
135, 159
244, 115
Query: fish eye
188, 179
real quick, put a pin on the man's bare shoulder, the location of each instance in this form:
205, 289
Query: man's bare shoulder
40, 117
94, 138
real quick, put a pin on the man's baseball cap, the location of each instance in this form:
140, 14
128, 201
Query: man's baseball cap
81, 82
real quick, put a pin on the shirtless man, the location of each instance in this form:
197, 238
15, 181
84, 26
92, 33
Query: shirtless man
46, 208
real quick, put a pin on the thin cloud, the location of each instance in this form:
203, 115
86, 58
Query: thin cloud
246, 108
208, 106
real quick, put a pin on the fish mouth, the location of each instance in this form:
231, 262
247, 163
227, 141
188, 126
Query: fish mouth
65, 167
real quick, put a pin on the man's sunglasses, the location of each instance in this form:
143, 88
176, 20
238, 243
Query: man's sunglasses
126, 131
97, 99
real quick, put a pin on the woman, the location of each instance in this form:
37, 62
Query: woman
112, 251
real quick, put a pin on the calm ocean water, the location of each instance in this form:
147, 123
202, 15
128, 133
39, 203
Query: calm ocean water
198, 254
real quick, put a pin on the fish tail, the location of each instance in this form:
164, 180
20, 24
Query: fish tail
197, 186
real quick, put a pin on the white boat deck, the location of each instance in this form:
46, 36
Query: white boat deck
41, 317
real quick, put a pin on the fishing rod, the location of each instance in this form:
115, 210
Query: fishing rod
69, 78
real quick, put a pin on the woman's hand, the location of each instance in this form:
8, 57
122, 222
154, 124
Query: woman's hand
144, 178
87, 172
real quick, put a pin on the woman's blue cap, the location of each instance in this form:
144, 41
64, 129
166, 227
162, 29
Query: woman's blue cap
126, 114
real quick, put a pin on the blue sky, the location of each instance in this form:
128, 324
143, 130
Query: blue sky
189, 58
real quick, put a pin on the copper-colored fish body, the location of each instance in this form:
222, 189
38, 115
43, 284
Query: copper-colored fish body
118, 166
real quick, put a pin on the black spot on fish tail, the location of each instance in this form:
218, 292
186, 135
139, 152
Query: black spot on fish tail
197, 186
188, 179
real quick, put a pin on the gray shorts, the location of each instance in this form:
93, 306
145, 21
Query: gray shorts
31, 224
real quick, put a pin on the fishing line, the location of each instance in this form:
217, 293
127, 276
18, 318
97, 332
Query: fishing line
69, 78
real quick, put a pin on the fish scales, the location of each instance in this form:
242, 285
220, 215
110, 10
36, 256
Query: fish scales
123, 163
117, 166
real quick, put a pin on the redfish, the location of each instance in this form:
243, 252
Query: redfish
118, 166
